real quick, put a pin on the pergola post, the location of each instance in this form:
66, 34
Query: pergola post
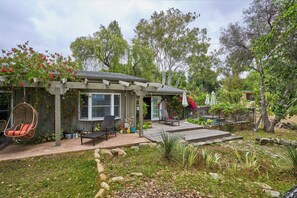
141, 115
57, 116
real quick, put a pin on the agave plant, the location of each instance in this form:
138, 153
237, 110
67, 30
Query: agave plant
168, 143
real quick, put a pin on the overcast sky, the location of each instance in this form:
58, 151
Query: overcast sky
53, 24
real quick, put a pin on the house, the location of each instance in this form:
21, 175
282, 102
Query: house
83, 104
248, 95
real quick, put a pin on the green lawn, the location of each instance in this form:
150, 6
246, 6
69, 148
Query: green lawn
64, 175
75, 174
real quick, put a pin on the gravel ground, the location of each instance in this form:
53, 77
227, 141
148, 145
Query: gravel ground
150, 190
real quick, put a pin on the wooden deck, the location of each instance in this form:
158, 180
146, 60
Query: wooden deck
187, 131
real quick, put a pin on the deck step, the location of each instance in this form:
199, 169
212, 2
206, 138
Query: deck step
214, 141
205, 134
173, 130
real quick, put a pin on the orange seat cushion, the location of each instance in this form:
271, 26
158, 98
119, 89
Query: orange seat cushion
23, 130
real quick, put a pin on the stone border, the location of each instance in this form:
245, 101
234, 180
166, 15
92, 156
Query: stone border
264, 141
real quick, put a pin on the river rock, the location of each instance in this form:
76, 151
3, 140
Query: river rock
104, 185
100, 168
118, 152
136, 174
117, 179
103, 177
106, 152
100, 194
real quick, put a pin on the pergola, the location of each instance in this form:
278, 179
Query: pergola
59, 88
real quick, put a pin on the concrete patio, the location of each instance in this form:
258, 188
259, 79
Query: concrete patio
189, 132
19, 151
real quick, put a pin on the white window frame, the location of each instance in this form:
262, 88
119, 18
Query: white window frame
90, 105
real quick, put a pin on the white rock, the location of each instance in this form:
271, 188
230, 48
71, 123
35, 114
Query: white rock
117, 179
100, 194
215, 176
272, 193
136, 174
263, 185
104, 185
118, 152
143, 144
106, 152
97, 150
100, 168
153, 145
103, 177
136, 148
96, 155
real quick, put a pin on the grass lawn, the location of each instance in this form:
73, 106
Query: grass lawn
75, 174
64, 175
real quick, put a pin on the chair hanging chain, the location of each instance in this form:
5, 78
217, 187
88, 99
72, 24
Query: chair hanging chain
24, 94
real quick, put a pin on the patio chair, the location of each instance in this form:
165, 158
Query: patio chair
24, 120
166, 120
107, 128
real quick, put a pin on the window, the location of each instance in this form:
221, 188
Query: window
94, 106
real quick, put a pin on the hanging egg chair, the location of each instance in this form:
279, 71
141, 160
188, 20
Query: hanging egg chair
24, 119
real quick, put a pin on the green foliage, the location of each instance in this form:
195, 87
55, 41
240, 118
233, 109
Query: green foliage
210, 160
175, 107
185, 155
168, 143
249, 161
176, 46
200, 121
106, 47
291, 155
227, 109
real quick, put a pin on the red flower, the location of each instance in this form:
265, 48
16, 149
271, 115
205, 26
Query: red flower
51, 75
21, 84
10, 69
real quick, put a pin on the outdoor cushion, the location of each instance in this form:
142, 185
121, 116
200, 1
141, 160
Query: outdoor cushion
15, 133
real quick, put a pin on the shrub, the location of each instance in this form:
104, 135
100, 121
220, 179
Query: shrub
291, 154
249, 161
168, 143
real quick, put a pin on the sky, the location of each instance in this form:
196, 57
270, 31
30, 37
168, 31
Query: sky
53, 24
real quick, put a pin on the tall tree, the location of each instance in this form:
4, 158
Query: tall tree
103, 50
141, 61
173, 41
247, 45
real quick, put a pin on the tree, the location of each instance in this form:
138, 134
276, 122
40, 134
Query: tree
173, 42
141, 61
238, 41
255, 46
280, 59
105, 48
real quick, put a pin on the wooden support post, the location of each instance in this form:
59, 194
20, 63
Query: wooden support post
57, 116
141, 115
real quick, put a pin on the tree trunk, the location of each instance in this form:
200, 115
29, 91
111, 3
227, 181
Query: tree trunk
265, 119
178, 80
169, 77
163, 77
276, 120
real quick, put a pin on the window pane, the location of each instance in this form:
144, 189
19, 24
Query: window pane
84, 106
84, 112
117, 111
100, 111
101, 99
117, 99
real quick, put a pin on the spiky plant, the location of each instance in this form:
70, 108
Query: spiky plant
291, 154
168, 143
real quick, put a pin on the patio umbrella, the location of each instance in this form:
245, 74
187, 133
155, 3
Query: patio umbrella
207, 101
213, 99
185, 101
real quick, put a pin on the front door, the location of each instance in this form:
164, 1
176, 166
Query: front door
155, 111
